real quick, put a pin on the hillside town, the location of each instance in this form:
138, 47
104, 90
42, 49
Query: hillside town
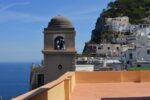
130, 49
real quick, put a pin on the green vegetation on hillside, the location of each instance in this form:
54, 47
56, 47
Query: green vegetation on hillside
138, 68
136, 10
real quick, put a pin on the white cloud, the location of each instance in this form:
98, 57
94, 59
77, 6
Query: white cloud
6, 7
7, 15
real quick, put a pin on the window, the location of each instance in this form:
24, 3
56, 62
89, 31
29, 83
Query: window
128, 62
148, 51
99, 48
130, 56
138, 65
117, 48
59, 43
40, 79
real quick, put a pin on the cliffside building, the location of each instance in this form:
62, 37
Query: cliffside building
118, 24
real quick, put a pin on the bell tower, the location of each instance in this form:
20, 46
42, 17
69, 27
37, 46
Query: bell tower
59, 48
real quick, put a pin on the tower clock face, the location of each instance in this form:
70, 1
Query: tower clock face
59, 43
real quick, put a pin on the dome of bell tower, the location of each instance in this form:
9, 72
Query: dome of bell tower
60, 22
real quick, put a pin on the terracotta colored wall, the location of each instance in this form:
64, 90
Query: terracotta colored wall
57, 92
112, 76
130, 76
98, 77
72, 82
145, 76
127, 98
62, 88
60, 91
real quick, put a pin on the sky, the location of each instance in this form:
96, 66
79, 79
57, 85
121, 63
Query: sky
22, 23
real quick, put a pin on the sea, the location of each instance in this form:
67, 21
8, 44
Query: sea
14, 79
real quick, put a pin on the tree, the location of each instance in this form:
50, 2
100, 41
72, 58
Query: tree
136, 10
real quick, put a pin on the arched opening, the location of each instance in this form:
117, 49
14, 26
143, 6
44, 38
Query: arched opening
59, 43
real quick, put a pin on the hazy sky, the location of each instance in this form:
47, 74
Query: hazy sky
22, 23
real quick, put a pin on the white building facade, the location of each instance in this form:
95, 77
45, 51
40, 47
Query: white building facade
137, 57
118, 24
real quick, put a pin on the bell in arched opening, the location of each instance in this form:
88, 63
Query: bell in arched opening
59, 43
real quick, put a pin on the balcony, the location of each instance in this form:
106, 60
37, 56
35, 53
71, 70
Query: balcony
106, 85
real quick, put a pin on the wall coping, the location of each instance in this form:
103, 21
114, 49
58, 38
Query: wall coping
44, 88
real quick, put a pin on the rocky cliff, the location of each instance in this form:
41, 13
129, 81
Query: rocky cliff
138, 12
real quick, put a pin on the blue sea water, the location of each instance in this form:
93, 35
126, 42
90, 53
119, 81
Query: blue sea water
14, 79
